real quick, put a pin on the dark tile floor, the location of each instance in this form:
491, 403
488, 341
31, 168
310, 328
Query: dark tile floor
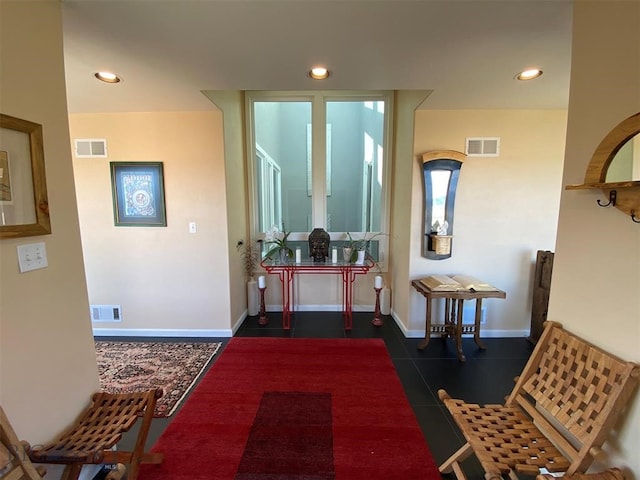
486, 377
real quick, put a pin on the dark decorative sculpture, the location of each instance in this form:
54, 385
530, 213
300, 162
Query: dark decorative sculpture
319, 245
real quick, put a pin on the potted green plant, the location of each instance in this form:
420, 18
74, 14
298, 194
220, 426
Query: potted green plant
348, 249
355, 249
280, 247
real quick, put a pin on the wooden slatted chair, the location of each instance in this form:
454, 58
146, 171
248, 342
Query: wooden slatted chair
14, 461
98, 429
558, 416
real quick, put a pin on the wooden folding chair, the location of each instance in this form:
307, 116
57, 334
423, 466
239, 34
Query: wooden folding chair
564, 404
14, 460
90, 440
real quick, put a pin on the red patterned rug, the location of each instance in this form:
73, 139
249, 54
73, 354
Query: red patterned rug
304, 409
172, 366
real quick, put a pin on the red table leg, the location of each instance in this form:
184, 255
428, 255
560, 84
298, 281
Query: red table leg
348, 277
287, 273
286, 278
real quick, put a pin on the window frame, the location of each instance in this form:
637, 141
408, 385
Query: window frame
319, 183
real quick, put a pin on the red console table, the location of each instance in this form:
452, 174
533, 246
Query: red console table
288, 271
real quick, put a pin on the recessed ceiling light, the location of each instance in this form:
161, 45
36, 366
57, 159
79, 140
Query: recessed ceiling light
318, 73
107, 77
529, 74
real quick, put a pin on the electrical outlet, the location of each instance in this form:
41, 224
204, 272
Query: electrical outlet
193, 227
32, 256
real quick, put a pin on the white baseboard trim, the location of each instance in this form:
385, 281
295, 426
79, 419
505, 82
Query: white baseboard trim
238, 324
400, 324
160, 332
484, 332
226, 333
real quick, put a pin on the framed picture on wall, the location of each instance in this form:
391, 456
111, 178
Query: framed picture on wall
6, 196
138, 194
24, 207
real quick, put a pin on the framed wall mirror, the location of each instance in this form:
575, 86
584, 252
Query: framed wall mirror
24, 205
615, 168
625, 165
441, 170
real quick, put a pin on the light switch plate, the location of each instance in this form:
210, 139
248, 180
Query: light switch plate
32, 256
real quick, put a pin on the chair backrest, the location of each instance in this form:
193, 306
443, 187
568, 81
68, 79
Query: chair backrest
14, 461
575, 392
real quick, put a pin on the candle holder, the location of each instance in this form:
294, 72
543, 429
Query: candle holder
377, 320
263, 319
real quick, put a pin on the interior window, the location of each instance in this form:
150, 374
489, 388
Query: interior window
355, 156
319, 160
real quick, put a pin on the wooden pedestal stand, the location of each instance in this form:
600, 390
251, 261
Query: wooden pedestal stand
377, 320
263, 320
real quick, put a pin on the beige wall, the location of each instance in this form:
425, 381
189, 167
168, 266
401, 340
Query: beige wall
229, 105
167, 280
595, 289
47, 360
506, 208
407, 102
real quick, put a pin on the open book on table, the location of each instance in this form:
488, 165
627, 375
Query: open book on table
441, 283
473, 284
457, 283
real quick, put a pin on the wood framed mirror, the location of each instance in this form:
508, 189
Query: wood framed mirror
24, 205
615, 168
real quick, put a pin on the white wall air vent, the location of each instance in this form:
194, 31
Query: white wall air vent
91, 148
482, 146
106, 313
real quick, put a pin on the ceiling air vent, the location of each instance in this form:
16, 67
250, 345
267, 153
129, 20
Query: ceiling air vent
483, 146
91, 148
106, 313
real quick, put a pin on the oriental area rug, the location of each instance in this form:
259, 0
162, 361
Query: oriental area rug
172, 366
293, 408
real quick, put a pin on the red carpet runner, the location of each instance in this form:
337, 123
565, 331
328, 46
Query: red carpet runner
274, 408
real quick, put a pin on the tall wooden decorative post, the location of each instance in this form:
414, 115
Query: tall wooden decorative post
263, 319
377, 286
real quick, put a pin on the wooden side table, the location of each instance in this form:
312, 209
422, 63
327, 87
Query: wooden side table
452, 326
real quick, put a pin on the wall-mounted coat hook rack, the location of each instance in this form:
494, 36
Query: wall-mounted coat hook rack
612, 199
624, 194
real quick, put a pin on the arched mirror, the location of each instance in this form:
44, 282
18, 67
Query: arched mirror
441, 170
625, 165
615, 168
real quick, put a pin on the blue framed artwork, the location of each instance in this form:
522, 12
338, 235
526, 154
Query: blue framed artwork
138, 194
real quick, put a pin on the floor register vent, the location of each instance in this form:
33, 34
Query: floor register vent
106, 313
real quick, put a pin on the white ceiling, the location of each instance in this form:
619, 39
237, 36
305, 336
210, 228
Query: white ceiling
168, 52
